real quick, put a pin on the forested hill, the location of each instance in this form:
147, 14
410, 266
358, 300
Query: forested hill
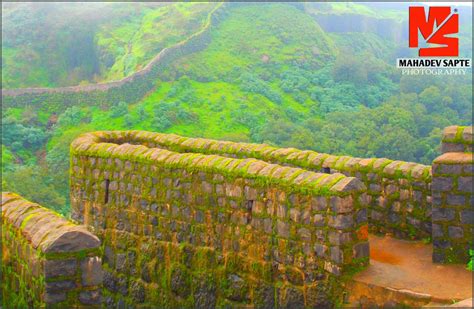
275, 73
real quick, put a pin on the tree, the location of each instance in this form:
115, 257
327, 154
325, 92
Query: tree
119, 109
34, 184
348, 68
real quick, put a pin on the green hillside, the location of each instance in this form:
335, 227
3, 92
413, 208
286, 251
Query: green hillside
51, 45
270, 74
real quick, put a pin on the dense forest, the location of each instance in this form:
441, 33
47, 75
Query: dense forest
272, 73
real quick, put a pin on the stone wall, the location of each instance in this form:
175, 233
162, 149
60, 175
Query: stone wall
129, 89
399, 192
47, 261
195, 230
452, 187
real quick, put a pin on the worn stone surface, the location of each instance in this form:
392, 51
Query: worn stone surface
215, 229
43, 270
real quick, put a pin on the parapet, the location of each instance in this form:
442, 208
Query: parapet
47, 260
100, 145
202, 230
399, 194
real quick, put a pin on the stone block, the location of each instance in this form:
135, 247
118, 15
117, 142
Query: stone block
342, 205
465, 184
233, 191
341, 221
467, 134
375, 215
91, 271
451, 169
443, 214
336, 255
319, 220
304, 234
455, 200
339, 238
332, 268
442, 184
361, 250
441, 244
93, 297
455, 232
375, 187
391, 189
320, 250
295, 215
283, 229
56, 268
451, 147
54, 298
319, 203
60, 286
449, 133
404, 194
250, 193
361, 216
467, 217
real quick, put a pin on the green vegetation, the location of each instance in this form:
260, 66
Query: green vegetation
270, 74
50, 45
469, 265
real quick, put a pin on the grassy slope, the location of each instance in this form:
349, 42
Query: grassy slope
279, 31
282, 32
135, 42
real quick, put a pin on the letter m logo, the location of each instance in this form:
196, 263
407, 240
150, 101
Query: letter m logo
440, 22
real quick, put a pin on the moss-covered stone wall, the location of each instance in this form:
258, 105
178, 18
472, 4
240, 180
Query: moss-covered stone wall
453, 213
399, 193
195, 230
47, 261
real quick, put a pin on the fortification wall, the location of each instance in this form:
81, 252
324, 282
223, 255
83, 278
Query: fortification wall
399, 193
47, 261
129, 89
453, 215
187, 229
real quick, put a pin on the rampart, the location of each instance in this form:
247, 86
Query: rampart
129, 89
47, 261
399, 193
196, 230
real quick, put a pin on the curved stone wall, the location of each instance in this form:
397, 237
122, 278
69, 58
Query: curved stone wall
399, 192
195, 230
